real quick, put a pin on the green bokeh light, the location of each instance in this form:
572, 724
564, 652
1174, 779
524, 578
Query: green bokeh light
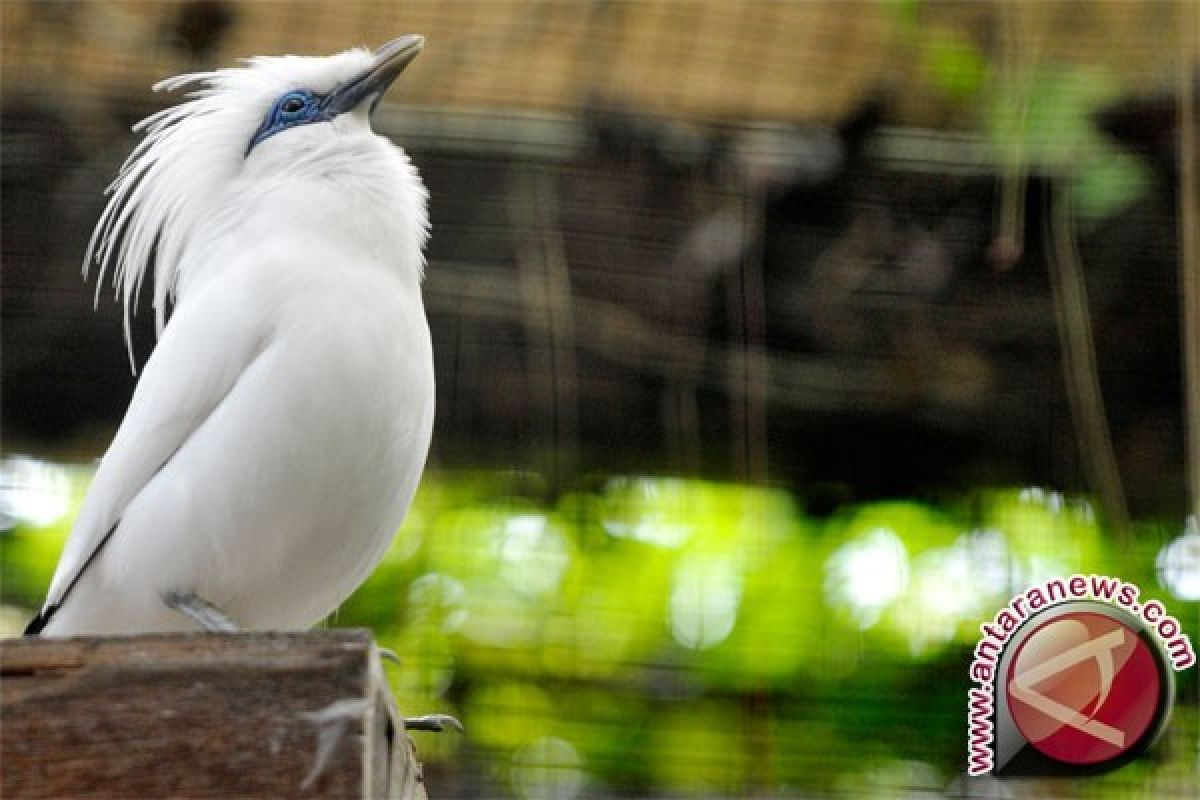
685, 636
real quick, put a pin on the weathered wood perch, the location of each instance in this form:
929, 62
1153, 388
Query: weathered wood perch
247, 715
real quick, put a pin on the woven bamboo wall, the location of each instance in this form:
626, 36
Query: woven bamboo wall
712, 60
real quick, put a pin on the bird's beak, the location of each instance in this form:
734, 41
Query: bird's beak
370, 85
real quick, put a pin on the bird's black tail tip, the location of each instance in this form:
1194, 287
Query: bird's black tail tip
39, 622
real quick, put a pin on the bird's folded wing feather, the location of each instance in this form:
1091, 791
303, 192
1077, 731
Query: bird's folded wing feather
208, 345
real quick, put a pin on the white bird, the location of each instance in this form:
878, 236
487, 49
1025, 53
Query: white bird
280, 427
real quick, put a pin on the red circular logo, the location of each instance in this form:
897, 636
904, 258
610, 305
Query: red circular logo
1083, 688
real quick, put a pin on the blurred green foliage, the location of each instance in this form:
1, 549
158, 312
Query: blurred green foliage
952, 64
1037, 115
1044, 119
659, 635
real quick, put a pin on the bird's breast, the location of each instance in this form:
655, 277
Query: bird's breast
354, 361
332, 425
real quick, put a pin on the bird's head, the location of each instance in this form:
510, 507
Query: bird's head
237, 130
294, 92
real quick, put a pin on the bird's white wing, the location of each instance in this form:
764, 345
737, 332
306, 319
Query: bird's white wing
209, 343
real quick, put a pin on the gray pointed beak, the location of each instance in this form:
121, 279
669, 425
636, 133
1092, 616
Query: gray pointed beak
372, 83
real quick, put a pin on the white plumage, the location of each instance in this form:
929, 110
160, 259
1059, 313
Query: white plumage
279, 430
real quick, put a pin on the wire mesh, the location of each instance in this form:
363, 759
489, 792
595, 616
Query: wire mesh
808, 245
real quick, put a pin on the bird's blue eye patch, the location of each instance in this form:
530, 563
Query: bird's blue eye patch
297, 107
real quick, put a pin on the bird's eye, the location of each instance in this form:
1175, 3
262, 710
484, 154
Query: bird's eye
295, 107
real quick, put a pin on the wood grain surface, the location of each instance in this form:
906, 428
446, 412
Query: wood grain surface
247, 715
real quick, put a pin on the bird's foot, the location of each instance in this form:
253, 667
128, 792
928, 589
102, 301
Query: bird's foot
433, 722
332, 724
199, 610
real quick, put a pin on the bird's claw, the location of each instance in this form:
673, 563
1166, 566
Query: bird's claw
433, 722
332, 723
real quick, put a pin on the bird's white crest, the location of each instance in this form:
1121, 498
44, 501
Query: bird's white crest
179, 174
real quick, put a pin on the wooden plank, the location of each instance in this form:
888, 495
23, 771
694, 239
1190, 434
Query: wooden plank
248, 715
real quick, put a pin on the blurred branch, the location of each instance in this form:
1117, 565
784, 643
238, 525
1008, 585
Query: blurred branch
1189, 240
1080, 373
1009, 240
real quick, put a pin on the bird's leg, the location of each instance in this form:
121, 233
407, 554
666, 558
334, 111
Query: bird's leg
204, 613
433, 722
